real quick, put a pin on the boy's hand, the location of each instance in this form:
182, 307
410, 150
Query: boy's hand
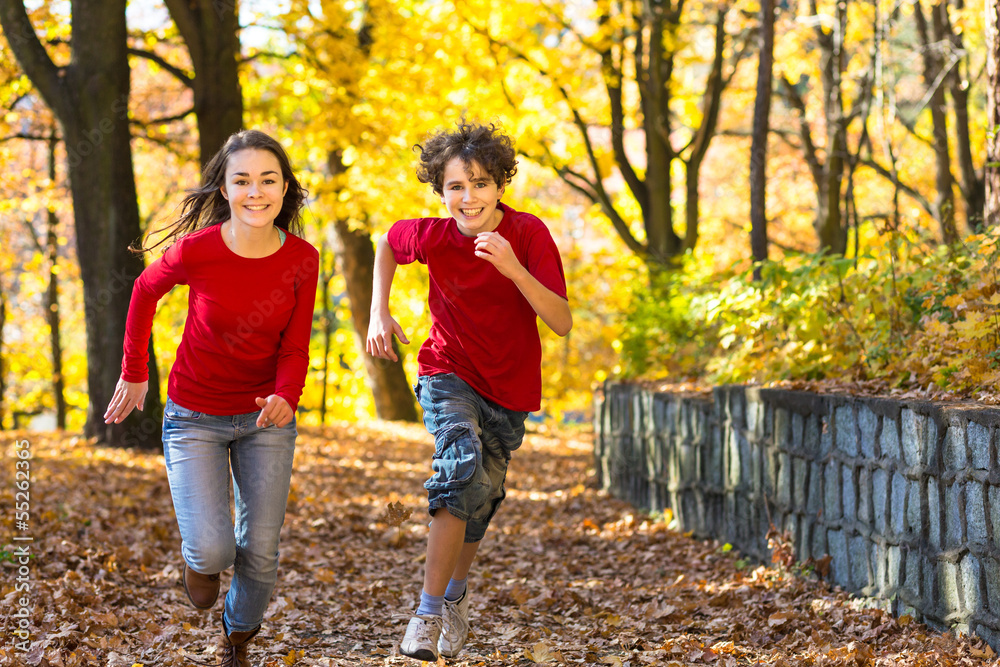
496, 250
128, 396
381, 328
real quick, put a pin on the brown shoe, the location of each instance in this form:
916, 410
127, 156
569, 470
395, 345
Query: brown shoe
202, 589
232, 649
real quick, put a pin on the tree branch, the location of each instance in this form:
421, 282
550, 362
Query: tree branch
32, 56
178, 73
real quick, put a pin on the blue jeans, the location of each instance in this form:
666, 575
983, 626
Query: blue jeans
473, 441
199, 450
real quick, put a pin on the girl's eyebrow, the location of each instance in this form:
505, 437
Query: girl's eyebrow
246, 175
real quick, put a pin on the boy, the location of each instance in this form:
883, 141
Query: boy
492, 271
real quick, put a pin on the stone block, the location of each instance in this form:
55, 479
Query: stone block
816, 485
755, 416
849, 493
825, 437
831, 491
978, 437
971, 573
864, 497
734, 478
798, 431
950, 601
867, 425
975, 513
929, 592
955, 457
801, 482
737, 407
934, 512
782, 428
889, 438
819, 546
804, 539
858, 551
897, 506
912, 577
991, 575
880, 499
840, 571
952, 516
914, 427
914, 508
846, 437
893, 569
784, 482
811, 437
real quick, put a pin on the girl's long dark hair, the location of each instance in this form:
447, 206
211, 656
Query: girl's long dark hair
205, 206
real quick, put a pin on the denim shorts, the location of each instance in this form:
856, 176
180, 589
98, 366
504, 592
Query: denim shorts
473, 441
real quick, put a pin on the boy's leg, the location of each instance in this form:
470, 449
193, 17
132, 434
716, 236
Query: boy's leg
445, 547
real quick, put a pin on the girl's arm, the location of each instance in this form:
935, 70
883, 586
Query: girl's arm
155, 281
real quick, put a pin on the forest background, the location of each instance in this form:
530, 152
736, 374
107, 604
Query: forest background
741, 192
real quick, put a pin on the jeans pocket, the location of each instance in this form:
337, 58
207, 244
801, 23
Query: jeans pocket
173, 411
456, 457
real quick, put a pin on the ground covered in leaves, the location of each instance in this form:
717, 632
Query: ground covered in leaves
567, 575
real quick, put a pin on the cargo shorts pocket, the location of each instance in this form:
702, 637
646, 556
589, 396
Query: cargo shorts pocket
457, 454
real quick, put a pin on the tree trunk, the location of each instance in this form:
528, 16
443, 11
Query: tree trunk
90, 98
991, 209
3, 369
52, 296
830, 228
973, 189
394, 399
210, 29
934, 78
329, 319
758, 147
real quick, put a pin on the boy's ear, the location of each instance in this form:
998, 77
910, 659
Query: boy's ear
500, 192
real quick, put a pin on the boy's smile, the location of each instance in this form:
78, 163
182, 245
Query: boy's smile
471, 197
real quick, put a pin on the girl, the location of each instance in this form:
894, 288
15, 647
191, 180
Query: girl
238, 376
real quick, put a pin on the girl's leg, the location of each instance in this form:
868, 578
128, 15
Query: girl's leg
196, 452
262, 470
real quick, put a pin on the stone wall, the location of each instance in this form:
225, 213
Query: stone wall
904, 496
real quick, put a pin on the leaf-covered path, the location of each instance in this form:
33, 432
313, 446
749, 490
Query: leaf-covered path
566, 575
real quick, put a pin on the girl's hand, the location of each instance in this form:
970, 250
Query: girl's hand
274, 410
496, 250
381, 329
128, 396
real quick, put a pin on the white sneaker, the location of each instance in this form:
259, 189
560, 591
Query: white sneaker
456, 626
421, 638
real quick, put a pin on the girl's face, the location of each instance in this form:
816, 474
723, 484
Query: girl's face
471, 197
254, 187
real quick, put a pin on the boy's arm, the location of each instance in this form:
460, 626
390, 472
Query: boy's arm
382, 326
552, 308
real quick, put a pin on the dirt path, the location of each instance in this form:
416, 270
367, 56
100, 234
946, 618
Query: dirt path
566, 575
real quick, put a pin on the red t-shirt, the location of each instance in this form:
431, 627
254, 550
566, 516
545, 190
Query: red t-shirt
248, 323
483, 329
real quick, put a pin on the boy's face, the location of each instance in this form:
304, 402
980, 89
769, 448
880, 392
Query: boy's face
471, 196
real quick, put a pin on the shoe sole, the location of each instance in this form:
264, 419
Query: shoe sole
422, 654
188, 593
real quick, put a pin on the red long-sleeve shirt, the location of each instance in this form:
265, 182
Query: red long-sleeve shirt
248, 324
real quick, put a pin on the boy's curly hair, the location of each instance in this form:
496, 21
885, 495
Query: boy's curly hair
485, 144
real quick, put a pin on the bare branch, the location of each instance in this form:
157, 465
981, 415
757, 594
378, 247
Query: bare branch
177, 72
